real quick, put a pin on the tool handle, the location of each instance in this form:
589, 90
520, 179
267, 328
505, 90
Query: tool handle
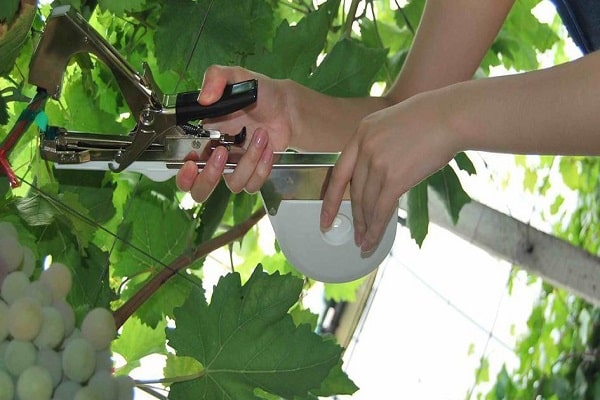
235, 97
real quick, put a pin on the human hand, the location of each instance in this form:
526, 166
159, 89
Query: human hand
266, 121
392, 150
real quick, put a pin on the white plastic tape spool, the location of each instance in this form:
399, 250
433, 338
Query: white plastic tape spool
330, 256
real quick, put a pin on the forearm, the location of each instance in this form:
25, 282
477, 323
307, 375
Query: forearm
325, 123
552, 111
451, 40
447, 49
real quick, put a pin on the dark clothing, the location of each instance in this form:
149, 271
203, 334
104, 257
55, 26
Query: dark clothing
582, 20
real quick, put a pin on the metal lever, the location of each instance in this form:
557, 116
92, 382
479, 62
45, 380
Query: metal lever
156, 114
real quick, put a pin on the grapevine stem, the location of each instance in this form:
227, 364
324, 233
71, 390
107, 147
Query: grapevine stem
126, 310
351, 17
173, 379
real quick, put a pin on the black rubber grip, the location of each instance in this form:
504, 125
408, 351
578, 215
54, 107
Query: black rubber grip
235, 97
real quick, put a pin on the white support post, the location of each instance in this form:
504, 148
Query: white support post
552, 259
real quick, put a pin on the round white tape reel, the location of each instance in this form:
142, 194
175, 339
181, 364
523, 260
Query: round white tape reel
328, 256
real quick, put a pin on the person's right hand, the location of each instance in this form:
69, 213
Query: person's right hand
267, 122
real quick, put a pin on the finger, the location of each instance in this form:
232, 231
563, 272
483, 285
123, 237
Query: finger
213, 84
340, 176
262, 171
245, 168
186, 175
357, 185
387, 205
371, 193
210, 176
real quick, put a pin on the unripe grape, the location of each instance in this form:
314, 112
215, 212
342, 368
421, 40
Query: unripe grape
19, 356
35, 383
125, 387
7, 387
52, 332
28, 263
52, 361
76, 334
11, 253
67, 313
14, 286
39, 291
78, 360
104, 361
24, 319
66, 390
58, 277
3, 320
104, 383
3, 346
99, 328
88, 393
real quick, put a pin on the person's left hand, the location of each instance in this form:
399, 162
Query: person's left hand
392, 150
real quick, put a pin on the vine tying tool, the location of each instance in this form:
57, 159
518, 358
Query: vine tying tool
168, 127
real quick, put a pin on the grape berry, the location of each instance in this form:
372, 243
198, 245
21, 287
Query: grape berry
43, 355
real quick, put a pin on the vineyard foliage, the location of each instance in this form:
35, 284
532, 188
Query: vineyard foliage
251, 335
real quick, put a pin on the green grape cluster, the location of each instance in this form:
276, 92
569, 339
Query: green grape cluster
43, 354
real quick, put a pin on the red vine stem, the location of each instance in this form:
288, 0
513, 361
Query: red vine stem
126, 310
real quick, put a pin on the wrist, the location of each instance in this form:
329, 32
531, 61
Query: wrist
454, 117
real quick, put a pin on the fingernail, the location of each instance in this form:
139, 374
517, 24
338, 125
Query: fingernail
358, 238
220, 156
365, 247
259, 139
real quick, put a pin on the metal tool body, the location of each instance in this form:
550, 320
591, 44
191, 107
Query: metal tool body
168, 128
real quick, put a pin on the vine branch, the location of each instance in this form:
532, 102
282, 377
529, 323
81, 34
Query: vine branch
126, 310
351, 17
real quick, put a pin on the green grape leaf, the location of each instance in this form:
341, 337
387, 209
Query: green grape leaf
120, 7
8, 9
94, 193
77, 217
408, 17
212, 212
136, 341
243, 205
464, 163
91, 287
296, 48
230, 29
81, 112
13, 36
417, 218
336, 383
64, 208
177, 367
3, 111
171, 295
304, 316
447, 185
154, 233
279, 263
343, 291
246, 339
347, 70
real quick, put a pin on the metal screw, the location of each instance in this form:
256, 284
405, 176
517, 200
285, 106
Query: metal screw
146, 117
196, 144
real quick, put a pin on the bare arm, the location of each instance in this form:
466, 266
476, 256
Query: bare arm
551, 111
450, 42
